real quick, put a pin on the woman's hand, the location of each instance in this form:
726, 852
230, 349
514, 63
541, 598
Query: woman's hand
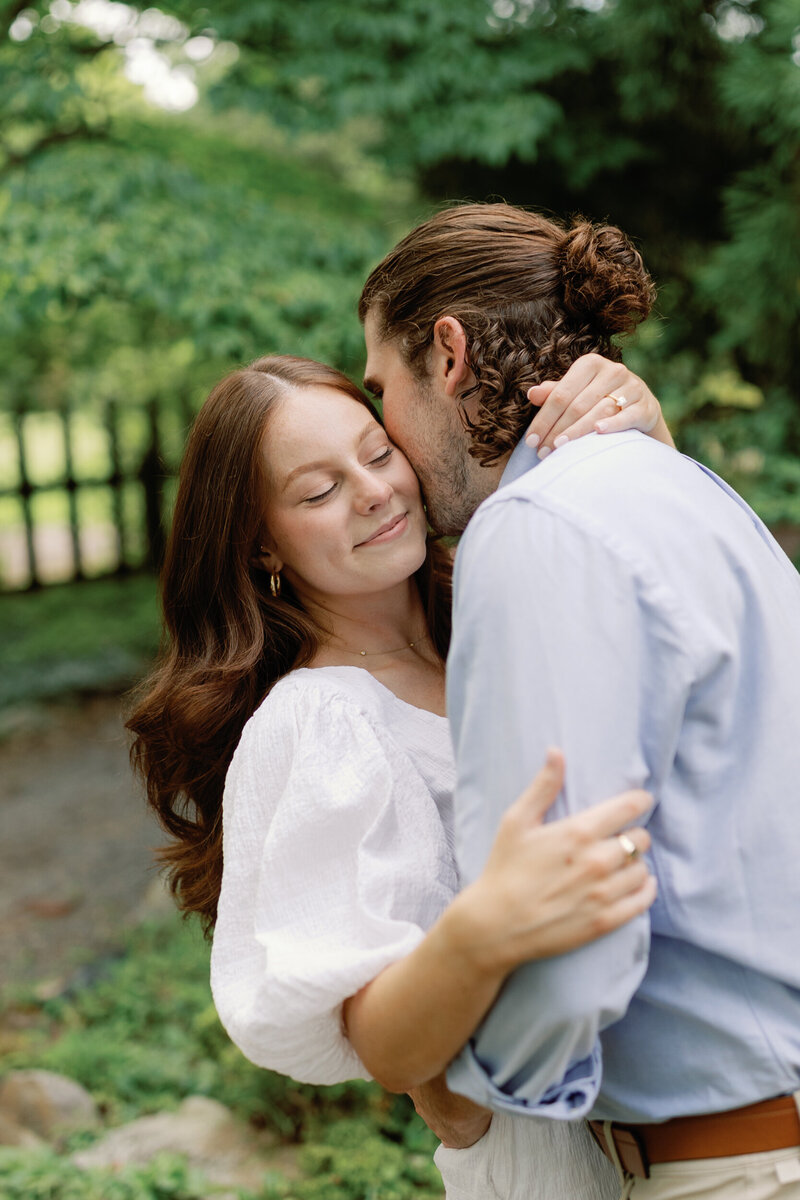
547, 889
456, 1121
581, 402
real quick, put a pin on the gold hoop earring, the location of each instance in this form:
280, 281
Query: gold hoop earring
275, 583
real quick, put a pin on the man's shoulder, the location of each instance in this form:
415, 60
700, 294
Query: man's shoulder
612, 461
591, 477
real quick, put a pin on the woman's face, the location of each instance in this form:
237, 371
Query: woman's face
344, 514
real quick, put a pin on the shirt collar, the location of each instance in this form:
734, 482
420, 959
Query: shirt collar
523, 459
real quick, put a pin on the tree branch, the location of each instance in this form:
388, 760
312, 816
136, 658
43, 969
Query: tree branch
55, 138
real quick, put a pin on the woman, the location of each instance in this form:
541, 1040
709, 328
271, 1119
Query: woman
308, 621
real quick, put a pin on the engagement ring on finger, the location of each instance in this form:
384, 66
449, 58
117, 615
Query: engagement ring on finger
620, 401
628, 845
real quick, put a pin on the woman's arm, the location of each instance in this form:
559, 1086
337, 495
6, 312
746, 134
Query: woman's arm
581, 402
545, 890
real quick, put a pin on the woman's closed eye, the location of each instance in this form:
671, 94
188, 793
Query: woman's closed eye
321, 496
380, 461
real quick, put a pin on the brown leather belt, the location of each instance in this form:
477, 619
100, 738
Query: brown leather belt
770, 1125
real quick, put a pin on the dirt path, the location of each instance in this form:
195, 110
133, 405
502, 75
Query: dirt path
76, 846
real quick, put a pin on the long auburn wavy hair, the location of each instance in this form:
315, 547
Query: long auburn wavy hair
531, 293
227, 639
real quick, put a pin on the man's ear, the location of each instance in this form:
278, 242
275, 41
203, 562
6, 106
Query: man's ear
450, 362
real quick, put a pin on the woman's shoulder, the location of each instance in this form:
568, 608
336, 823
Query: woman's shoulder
315, 716
322, 707
340, 694
337, 695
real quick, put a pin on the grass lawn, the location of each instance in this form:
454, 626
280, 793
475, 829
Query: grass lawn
77, 637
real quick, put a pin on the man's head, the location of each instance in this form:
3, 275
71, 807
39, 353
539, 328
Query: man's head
470, 310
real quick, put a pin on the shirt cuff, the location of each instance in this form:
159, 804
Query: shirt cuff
574, 1097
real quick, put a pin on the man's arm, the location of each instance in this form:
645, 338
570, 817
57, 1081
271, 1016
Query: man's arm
560, 638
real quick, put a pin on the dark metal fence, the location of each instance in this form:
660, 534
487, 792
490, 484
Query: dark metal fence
84, 494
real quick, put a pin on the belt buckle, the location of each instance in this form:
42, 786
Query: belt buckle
631, 1150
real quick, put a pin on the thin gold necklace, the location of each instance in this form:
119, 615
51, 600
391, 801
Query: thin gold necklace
406, 646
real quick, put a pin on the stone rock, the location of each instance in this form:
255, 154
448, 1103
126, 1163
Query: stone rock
45, 1103
12, 1134
212, 1139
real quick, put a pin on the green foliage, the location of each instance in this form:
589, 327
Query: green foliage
352, 1161
43, 1175
149, 265
146, 255
76, 637
681, 122
144, 1035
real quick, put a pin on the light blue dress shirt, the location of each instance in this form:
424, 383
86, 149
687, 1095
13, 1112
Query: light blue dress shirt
620, 601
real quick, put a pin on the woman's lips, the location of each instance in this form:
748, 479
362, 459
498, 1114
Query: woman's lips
388, 532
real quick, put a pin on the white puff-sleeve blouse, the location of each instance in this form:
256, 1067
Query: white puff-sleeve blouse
338, 855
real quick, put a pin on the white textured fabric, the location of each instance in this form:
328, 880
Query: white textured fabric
529, 1158
338, 856
336, 861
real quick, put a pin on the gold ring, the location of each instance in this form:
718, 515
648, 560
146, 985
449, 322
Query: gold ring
628, 846
620, 401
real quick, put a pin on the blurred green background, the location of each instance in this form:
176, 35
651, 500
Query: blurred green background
183, 188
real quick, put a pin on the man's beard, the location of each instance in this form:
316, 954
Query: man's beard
449, 498
451, 491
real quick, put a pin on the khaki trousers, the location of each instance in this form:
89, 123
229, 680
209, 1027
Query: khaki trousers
771, 1176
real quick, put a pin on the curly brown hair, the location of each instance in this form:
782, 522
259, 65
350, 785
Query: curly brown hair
227, 638
532, 294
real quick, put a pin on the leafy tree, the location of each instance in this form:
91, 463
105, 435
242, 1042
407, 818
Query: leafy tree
681, 122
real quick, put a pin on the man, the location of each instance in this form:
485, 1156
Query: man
623, 603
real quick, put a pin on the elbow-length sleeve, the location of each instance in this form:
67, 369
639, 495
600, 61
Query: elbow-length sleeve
335, 864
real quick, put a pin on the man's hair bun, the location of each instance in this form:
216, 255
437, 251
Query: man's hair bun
604, 279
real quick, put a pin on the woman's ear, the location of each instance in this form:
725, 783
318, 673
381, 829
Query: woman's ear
266, 559
451, 362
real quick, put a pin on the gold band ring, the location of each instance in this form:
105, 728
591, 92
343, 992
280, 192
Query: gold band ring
628, 846
620, 401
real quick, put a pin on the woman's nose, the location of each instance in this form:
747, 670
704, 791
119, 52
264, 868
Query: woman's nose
372, 491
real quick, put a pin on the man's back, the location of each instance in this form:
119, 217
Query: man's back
620, 602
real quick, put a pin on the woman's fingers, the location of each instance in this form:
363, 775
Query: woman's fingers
642, 414
628, 906
531, 806
640, 411
611, 817
616, 853
566, 401
583, 402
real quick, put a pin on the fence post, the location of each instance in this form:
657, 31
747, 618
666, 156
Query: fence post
116, 482
71, 488
151, 475
25, 492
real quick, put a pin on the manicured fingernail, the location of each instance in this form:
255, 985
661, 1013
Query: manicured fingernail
532, 440
561, 440
601, 426
543, 453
